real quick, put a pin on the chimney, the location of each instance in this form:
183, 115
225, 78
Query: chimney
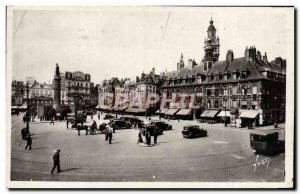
252, 53
283, 64
229, 56
258, 56
190, 63
194, 63
265, 58
247, 53
137, 79
153, 70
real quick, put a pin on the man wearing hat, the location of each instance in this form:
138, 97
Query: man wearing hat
56, 161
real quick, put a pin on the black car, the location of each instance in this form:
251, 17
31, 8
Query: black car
120, 124
108, 117
266, 142
193, 131
161, 126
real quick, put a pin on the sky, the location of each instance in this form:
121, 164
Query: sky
126, 41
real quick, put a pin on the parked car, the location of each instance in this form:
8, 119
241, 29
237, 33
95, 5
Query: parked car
192, 131
266, 142
161, 125
120, 124
108, 117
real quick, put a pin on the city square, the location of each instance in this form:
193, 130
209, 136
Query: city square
224, 155
151, 95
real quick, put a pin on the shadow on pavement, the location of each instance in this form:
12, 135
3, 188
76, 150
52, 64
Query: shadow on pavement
69, 169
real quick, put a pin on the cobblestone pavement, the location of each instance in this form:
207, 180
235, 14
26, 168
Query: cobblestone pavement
225, 155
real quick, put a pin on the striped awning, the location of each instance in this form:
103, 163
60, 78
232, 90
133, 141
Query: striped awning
135, 110
104, 107
209, 113
171, 111
184, 112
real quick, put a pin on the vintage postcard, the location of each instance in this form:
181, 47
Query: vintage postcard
150, 97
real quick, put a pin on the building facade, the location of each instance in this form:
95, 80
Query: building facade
17, 94
240, 90
76, 83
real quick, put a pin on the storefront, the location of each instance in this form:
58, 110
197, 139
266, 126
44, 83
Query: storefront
224, 116
185, 114
209, 116
170, 114
249, 118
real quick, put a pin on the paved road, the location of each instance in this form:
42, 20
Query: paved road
225, 155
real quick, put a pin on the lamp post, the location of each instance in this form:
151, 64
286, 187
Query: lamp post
225, 123
275, 115
27, 108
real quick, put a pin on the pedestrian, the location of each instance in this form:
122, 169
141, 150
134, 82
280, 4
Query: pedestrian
78, 127
91, 117
155, 135
106, 134
67, 123
56, 161
24, 133
140, 138
98, 116
29, 142
52, 121
148, 138
40, 118
110, 136
114, 128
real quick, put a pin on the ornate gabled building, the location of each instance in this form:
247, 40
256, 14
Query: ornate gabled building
243, 90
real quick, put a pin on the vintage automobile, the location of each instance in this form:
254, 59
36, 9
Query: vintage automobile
103, 127
108, 117
192, 131
266, 142
120, 124
161, 125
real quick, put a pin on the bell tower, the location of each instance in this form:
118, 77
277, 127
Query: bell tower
211, 47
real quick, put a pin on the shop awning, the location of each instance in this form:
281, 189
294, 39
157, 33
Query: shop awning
224, 114
162, 111
104, 107
184, 112
209, 113
120, 108
251, 114
24, 106
136, 110
171, 111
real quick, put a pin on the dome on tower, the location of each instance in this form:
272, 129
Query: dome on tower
211, 26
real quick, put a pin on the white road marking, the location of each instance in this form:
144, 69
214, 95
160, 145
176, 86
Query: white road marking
237, 156
221, 142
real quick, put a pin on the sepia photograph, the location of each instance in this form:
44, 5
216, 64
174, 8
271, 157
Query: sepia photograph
150, 97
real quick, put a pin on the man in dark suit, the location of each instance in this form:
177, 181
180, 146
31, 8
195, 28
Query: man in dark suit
29, 142
56, 161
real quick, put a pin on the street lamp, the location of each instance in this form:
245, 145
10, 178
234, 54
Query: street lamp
275, 115
225, 123
27, 108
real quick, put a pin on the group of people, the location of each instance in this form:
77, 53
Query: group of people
148, 135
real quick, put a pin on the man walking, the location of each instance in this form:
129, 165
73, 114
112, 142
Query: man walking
56, 161
29, 142
110, 136
155, 135
52, 121
67, 123
98, 116
106, 134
